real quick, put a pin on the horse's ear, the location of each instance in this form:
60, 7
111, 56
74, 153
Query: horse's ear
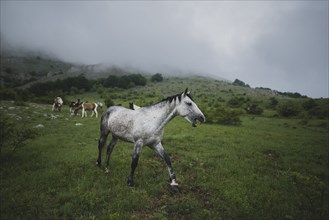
186, 91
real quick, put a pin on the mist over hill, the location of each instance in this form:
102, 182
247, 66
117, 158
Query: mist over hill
22, 68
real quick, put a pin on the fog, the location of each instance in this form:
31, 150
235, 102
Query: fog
282, 45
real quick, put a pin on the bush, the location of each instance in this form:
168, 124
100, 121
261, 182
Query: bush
318, 112
273, 103
13, 135
236, 102
8, 94
288, 109
309, 104
79, 83
124, 82
225, 116
109, 102
157, 77
254, 109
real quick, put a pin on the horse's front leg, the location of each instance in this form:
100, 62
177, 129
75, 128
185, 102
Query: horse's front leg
137, 149
161, 152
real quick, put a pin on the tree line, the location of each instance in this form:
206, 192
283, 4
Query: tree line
43, 91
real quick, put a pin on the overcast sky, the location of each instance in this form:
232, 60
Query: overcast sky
282, 45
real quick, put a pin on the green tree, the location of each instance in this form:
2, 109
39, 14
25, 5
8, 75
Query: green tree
111, 81
238, 82
157, 77
137, 79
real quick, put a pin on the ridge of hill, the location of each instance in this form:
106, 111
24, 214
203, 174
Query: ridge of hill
24, 71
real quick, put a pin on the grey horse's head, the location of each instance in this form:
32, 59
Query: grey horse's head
189, 110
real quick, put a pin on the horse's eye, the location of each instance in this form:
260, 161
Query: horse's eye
189, 103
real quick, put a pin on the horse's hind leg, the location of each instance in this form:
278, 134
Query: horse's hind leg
109, 151
101, 143
137, 149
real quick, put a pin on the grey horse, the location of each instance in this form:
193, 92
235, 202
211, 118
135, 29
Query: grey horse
144, 126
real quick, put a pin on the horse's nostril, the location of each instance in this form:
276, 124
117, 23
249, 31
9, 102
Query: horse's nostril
202, 119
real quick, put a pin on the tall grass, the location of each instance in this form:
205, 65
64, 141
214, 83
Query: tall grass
267, 168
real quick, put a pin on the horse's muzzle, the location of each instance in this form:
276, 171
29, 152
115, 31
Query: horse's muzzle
200, 118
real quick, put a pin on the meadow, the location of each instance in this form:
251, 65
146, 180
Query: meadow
266, 168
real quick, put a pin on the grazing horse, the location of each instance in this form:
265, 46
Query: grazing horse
58, 103
74, 105
144, 127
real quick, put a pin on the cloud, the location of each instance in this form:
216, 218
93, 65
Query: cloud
282, 45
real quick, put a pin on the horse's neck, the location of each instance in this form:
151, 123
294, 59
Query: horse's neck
163, 113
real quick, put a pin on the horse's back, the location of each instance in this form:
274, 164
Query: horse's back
120, 121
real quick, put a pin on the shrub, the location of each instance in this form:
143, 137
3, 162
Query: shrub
224, 115
13, 135
157, 77
230, 116
318, 112
309, 104
254, 109
8, 94
79, 83
125, 82
236, 102
288, 109
109, 102
273, 103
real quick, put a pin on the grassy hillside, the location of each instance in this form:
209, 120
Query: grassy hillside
260, 155
266, 168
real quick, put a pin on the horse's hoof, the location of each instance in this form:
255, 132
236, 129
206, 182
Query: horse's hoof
130, 183
173, 188
106, 171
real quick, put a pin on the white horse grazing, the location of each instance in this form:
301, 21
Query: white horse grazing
58, 103
144, 127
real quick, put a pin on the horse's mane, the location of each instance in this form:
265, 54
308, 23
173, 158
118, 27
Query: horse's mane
171, 98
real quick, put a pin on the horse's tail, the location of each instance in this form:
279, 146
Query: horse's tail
104, 131
104, 126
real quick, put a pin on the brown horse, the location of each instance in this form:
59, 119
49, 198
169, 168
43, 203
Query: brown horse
88, 106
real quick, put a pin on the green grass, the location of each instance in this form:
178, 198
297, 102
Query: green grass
267, 168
